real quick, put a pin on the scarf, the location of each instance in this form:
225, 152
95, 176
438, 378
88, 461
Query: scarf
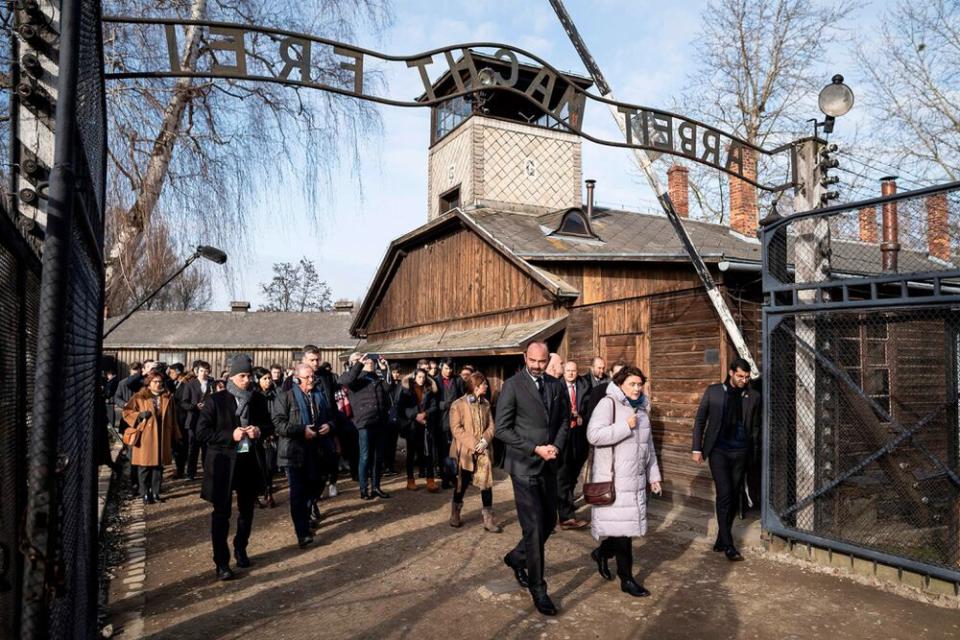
638, 403
243, 402
322, 412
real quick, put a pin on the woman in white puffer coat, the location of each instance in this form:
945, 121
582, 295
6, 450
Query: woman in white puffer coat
619, 431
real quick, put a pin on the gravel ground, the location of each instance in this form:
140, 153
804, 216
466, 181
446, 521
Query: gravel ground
395, 569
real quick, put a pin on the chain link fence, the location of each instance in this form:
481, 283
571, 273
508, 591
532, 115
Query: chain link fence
862, 447
19, 309
60, 532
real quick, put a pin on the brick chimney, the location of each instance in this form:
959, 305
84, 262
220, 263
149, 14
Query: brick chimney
343, 306
743, 198
239, 306
868, 225
938, 228
677, 179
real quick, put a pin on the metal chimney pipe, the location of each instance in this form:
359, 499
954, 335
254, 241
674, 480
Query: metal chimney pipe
890, 247
590, 185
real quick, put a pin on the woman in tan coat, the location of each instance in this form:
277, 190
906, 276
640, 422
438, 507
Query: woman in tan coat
471, 425
154, 413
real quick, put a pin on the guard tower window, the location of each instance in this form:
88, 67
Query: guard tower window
450, 199
449, 115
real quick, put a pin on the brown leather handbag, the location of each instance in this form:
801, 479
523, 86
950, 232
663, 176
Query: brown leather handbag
601, 494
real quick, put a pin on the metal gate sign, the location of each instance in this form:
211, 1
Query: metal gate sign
249, 52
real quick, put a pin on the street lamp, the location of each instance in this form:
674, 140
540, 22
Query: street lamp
835, 100
209, 253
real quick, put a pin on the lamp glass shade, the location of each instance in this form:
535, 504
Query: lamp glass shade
836, 99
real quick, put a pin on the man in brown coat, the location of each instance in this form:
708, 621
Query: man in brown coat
153, 414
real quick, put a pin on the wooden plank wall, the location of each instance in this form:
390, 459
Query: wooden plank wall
452, 278
683, 327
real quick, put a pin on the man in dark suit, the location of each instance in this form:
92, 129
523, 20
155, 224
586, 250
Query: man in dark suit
195, 393
232, 424
575, 452
533, 416
599, 391
726, 431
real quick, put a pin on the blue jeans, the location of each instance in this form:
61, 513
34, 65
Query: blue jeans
371, 455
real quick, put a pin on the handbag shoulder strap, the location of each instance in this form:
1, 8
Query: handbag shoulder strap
613, 451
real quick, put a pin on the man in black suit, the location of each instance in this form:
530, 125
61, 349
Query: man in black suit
599, 391
195, 393
575, 452
233, 423
726, 431
533, 415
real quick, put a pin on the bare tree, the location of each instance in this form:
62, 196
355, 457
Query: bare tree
913, 74
296, 287
158, 257
756, 76
194, 152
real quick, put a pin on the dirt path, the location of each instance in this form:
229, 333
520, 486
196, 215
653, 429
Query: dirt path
395, 569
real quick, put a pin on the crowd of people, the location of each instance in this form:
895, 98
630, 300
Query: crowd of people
313, 425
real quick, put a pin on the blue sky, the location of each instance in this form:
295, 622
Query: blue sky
645, 50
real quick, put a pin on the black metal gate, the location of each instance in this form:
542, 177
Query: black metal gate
862, 438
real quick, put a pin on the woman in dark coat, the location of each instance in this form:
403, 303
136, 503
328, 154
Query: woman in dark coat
267, 388
421, 408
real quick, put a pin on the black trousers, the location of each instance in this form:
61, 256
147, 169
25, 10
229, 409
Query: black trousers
245, 486
180, 451
536, 499
466, 477
150, 478
418, 452
303, 483
727, 467
620, 547
194, 450
572, 459
371, 455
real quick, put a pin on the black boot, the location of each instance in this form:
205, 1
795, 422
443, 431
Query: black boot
635, 589
243, 561
602, 565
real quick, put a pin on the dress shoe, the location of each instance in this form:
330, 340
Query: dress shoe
717, 547
305, 541
146, 500
543, 603
243, 560
733, 555
365, 495
631, 586
602, 565
380, 493
573, 523
520, 573
224, 573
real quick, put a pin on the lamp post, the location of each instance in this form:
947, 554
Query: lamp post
210, 253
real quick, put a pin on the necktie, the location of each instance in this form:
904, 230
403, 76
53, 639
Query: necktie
573, 403
543, 396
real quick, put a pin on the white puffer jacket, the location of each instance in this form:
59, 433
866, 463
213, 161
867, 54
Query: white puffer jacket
632, 453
